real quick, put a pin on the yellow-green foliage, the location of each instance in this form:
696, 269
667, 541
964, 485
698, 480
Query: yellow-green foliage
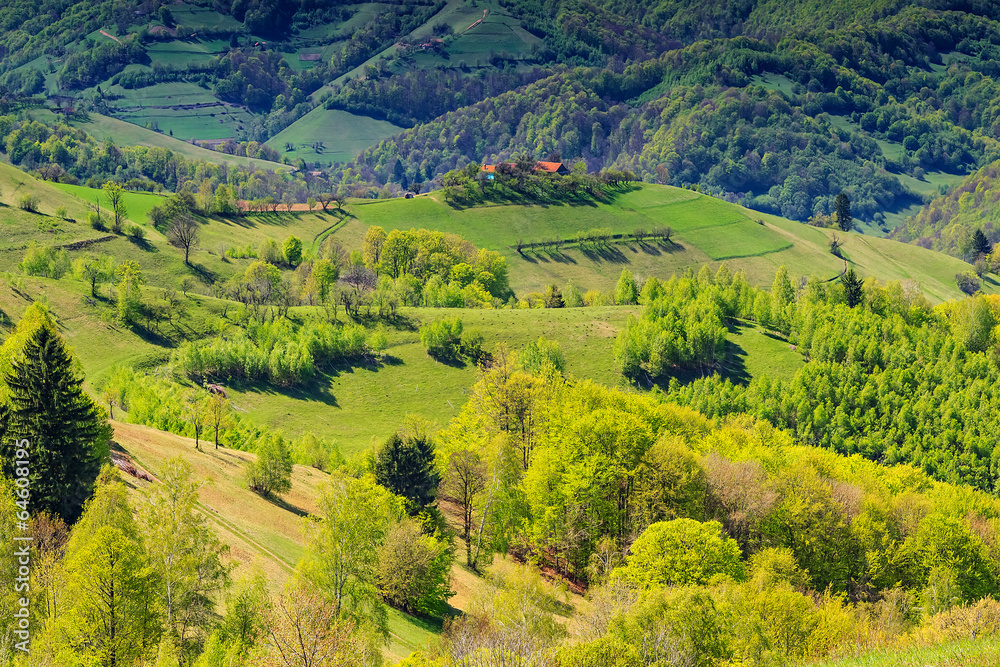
807, 537
44, 261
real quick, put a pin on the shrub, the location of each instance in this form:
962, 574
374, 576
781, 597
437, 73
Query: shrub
29, 202
44, 261
159, 217
413, 569
292, 250
95, 221
270, 252
542, 357
135, 232
472, 345
61, 212
443, 339
968, 282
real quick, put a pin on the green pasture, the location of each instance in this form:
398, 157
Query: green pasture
137, 204
345, 135
162, 94
498, 33
182, 53
130, 134
157, 105
202, 18
360, 405
777, 82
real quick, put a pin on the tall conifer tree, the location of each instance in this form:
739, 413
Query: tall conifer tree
853, 288
67, 433
406, 467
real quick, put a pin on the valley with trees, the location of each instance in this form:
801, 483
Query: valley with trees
469, 333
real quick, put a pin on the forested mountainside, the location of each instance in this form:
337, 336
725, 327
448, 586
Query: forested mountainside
781, 124
950, 221
779, 106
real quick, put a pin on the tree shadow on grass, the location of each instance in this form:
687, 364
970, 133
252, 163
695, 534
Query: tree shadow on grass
657, 249
151, 336
504, 196
397, 321
316, 391
280, 502
319, 388
205, 275
604, 253
143, 244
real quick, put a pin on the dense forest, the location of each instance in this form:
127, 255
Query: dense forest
888, 377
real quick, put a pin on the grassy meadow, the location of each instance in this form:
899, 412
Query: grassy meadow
344, 135
982, 652
707, 231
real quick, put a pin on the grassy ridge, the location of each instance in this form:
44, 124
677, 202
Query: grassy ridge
707, 231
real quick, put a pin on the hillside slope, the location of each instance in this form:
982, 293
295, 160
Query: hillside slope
707, 231
948, 221
260, 533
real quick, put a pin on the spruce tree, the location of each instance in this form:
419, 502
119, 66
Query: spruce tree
842, 207
67, 433
980, 244
853, 288
406, 467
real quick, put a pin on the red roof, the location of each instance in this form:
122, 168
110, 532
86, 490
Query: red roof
551, 167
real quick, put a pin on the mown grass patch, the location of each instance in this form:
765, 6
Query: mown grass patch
137, 204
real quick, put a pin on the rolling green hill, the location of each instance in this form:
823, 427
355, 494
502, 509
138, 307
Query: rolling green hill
707, 231
341, 404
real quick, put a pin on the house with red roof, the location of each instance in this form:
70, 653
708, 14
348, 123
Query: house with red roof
548, 167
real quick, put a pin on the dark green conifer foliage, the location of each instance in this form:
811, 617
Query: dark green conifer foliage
406, 467
980, 244
845, 219
67, 433
853, 288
